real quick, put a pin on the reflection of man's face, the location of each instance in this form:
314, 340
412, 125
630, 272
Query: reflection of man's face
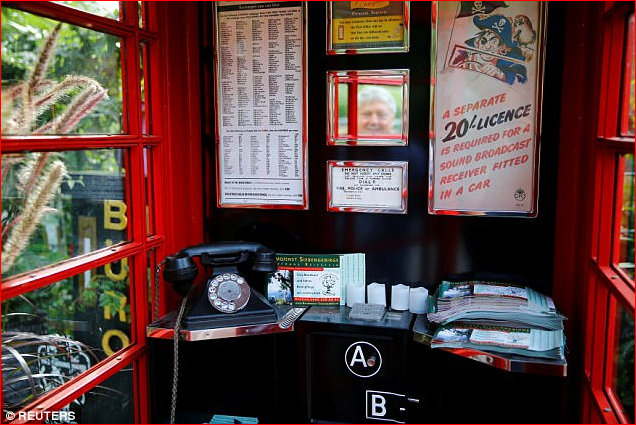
375, 117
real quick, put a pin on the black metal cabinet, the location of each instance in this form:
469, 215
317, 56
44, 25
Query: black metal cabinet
247, 376
354, 371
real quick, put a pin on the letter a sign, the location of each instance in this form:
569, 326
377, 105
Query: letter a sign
363, 359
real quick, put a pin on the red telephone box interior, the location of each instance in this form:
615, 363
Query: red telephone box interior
567, 252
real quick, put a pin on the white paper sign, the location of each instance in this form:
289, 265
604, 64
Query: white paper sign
261, 140
486, 117
378, 186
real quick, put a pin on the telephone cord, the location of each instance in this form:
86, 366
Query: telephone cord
155, 307
175, 368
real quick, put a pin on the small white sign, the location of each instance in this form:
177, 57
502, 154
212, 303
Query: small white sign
379, 186
386, 406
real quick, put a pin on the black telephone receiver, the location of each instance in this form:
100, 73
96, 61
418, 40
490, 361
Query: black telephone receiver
227, 299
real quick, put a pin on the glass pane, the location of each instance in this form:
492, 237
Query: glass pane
623, 380
79, 90
60, 205
141, 9
627, 120
379, 109
626, 243
63, 329
107, 9
343, 105
150, 194
146, 123
153, 301
111, 402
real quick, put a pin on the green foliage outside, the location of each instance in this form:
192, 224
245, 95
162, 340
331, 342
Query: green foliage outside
625, 363
53, 308
78, 51
58, 308
626, 256
42, 250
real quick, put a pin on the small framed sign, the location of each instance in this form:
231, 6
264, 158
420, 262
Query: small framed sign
367, 186
368, 107
485, 123
355, 27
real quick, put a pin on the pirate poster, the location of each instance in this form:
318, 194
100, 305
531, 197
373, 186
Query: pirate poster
485, 117
367, 27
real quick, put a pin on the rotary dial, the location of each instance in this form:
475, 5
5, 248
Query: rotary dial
228, 292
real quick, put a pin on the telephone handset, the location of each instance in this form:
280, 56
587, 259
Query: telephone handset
227, 299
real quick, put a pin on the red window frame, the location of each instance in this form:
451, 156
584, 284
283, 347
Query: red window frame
608, 285
133, 142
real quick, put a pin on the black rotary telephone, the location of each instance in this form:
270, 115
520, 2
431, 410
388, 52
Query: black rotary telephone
227, 299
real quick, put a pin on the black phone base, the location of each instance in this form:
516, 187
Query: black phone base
203, 316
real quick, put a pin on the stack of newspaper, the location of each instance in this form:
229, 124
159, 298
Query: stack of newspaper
496, 316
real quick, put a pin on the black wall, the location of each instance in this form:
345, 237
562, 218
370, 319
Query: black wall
412, 247
416, 246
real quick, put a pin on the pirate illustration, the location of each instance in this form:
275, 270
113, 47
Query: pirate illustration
494, 52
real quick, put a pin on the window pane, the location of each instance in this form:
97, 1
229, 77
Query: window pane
63, 329
150, 195
144, 71
142, 8
78, 92
107, 9
623, 380
627, 120
60, 205
111, 402
626, 243
153, 301
343, 106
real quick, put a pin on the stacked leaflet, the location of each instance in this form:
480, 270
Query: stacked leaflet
475, 300
522, 341
496, 316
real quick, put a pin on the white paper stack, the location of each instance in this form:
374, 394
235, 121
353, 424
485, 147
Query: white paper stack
496, 316
522, 341
480, 300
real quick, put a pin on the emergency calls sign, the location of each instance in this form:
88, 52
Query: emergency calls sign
485, 121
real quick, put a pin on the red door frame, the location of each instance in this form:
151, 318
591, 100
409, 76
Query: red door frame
172, 69
586, 285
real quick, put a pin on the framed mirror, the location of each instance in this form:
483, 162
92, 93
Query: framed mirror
368, 107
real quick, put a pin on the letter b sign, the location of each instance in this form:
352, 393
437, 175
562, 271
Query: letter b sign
386, 406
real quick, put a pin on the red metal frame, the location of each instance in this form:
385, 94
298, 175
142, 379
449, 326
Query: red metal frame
178, 174
352, 107
613, 328
165, 61
592, 140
